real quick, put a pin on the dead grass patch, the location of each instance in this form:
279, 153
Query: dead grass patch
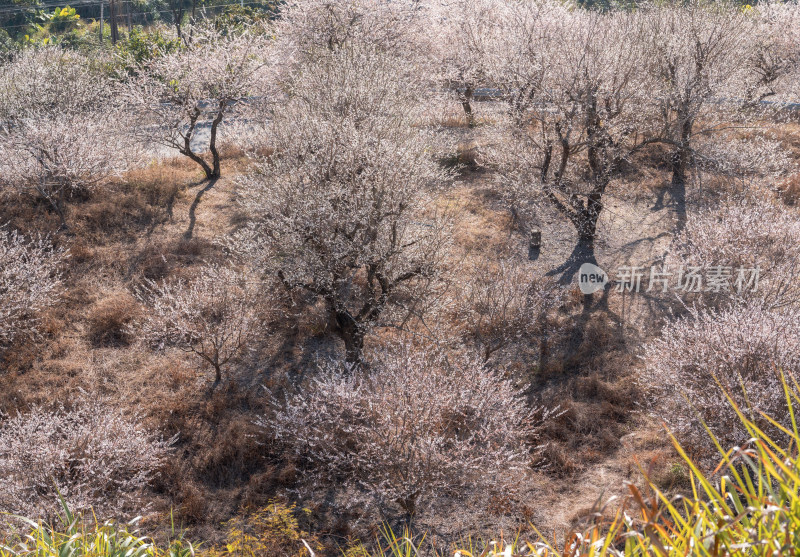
108, 320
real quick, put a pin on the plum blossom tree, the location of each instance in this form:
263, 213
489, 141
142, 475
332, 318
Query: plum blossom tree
501, 305
30, 280
573, 109
215, 317
681, 75
178, 93
92, 455
742, 350
342, 211
767, 238
709, 66
778, 46
466, 37
308, 28
61, 127
417, 424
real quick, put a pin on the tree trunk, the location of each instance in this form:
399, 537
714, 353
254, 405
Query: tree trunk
59, 209
587, 219
207, 169
681, 158
466, 103
352, 334
353, 347
217, 374
186, 148
176, 6
212, 143
680, 164
56, 201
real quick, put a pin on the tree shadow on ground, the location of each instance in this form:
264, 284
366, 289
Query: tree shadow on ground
193, 209
582, 253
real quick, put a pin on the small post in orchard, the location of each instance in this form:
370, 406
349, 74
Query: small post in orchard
535, 239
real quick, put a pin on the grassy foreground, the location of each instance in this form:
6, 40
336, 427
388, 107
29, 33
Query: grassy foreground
749, 505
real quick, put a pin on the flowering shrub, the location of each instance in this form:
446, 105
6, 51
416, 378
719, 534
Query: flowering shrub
414, 425
213, 317
744, 234
741, 349
92, 456
61, 127
502, 304
29, 282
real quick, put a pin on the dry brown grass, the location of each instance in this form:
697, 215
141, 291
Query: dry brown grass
790, 190
108, 320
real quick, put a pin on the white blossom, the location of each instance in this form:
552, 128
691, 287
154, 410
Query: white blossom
414, 425
93, 456
30, 282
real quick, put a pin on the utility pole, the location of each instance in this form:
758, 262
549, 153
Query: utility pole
101, 21
112, 8
130, 25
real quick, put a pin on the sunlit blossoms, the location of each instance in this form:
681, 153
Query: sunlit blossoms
741, 351
342, 211
415, 424
61, 127
92, 456
30, 281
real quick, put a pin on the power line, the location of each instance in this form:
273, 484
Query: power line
79, 3
24, 9
96, 3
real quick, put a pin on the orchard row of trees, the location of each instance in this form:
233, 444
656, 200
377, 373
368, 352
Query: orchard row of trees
336, 104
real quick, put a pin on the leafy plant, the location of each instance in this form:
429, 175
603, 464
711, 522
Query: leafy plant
74, 537
273, 530
143, 45
62, 19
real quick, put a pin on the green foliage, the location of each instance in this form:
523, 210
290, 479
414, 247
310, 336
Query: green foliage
50, 27
61, 19
74, 538
388, 544
8, 46
273, 530
237, 18
143, 45
62, 26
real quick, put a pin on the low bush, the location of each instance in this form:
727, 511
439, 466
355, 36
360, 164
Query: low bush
273, 530
734, 238
416, 424
215, 317
92, 455
749, 506
741, 350
30, 280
